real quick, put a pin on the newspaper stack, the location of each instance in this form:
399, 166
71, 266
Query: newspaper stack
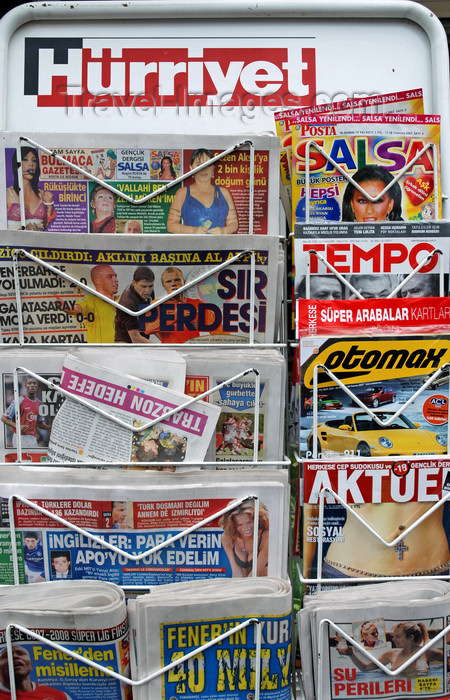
223, 304
174, 620
138, 177
42, 401
87, 618
383, 640
81, 435
142, 528
235, 431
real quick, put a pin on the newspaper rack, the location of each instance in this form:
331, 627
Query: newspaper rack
128, 681
371, 657
21, 253
155, 421
113, 548
151, 195
265, 15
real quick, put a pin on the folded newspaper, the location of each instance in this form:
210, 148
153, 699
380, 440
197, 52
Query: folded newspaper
141, 529
87, 618
235, 438
123, 404
386, 640
89, 183
60, 303
174, 620
39, 378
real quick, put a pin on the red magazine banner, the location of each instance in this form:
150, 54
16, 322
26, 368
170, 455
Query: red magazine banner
372, 316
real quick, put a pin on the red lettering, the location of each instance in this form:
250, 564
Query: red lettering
373, 254
337, 259
339, 688
316, 160
214, 75
314, 261
425, 160
418, 253
338, 674
394, 254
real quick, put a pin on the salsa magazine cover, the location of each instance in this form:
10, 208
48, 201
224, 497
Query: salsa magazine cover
395, 156
403, 102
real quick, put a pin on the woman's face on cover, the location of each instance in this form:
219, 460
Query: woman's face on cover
370, 635
104, 203
365, 210
205, 174
244, 524
29, 165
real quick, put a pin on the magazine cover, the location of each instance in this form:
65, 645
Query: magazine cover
134, 271
374, 260
39, 399
52, 195
390, 496
404, 102
372, 150
383, 374
399, 634
138, 513
234, 439
372, 316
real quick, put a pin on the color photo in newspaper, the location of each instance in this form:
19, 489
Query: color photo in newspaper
48, 550
235, 431
400, 632
215, 200
134, 271
383, 374
55, 675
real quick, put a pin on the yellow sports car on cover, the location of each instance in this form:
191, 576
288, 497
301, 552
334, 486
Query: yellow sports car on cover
359, 435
